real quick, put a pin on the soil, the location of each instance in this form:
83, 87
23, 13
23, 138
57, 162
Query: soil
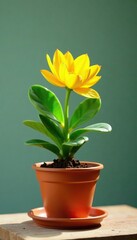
68, 163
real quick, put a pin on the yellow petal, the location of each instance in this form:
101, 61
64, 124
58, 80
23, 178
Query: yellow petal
71, 81
51, 78
84, 75
87, 92
58, 58
69, 61
63, 72
93, 71
91, 82
53, 70
81, 64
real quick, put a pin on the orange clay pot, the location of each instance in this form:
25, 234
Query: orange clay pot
67, 192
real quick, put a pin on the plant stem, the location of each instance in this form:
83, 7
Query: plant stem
66, 114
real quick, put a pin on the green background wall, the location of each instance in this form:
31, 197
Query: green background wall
107, 31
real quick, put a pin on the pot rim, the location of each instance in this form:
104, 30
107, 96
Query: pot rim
94, 166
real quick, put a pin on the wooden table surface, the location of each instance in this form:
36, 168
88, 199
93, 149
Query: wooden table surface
121, 224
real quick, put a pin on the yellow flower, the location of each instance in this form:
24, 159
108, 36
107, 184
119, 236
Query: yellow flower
75, 74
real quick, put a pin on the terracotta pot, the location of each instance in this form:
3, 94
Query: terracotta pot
67, 192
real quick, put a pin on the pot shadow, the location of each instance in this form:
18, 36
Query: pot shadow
82, 228
31, 229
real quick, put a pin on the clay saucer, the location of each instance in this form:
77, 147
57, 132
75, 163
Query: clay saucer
94, 219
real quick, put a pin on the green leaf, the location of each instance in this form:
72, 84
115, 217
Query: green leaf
38, 126
53, 129
85, 112
46, 102
71, 147
43, 144
98, 127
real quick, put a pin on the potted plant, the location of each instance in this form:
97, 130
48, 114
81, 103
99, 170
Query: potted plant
67, 185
